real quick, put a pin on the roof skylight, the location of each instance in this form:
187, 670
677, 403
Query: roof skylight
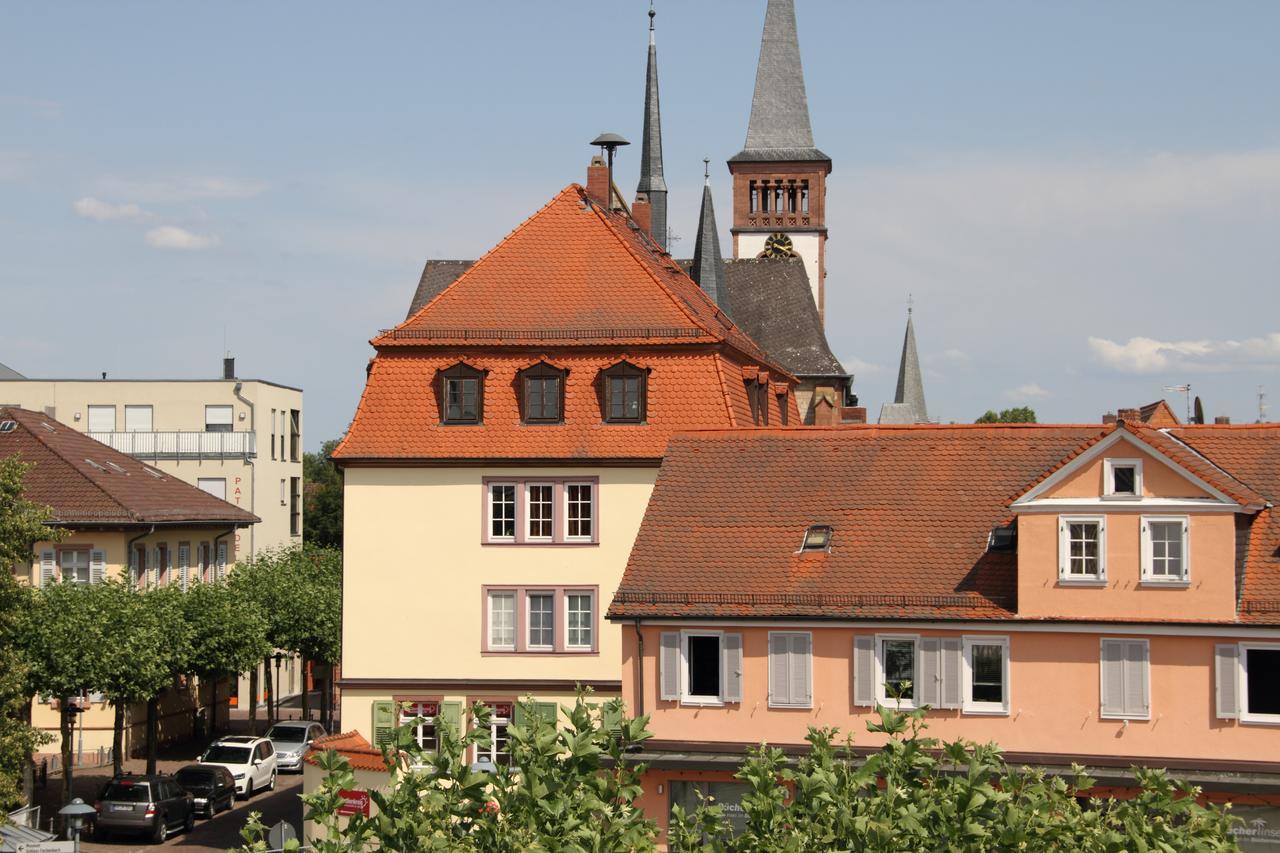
817, 538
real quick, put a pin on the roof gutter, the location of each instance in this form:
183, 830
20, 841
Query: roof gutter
128, 548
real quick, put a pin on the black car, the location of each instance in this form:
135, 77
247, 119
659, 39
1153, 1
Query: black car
212, 786
155, 805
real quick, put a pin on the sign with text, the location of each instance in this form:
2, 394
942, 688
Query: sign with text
47, 847
354, 803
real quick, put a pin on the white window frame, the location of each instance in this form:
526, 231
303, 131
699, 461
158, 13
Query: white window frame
200, 481
528, 620
219, 409
89, 410
1108, 480
138, 407
1064, 550
511, 594
772, 634
88, 566
882, 697
415, 727
528, 513
591, 510
1102, 677
1148, 558
967, 703
1243, 681
591, 616
686, 698
491, 754
488, 510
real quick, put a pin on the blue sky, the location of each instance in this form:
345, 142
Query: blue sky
1083, 198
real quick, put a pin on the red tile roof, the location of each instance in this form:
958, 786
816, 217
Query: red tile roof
579, 287
350, 745
87, 482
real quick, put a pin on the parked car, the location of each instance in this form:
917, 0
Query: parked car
292, 739
251, 760
212, 786
155, 805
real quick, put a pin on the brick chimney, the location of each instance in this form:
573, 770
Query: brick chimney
642, 213
1108, 418
1222, 420
598, 181
1129, 416
853, 415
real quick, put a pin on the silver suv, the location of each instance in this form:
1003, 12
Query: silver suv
251, 760
292, 739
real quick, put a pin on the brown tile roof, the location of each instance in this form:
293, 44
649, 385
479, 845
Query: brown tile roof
911, 507
350, 745
86, 482
1159, 414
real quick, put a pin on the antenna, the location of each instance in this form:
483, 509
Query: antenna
706, 170
911, 302
1262, 405
1183, 389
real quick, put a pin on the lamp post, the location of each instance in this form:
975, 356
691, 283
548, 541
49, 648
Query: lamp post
74, 815
278, 657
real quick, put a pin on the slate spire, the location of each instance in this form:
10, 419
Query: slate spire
708, 265
652, 182
779, 128
910, 384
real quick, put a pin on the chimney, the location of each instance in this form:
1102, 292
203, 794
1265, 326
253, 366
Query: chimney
642, 213
825, 412
228, 368
1129, 416
1222, 420
598, 181
1108, 418
853, 415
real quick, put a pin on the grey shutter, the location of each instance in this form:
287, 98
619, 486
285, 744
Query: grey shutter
801, 667
1137, 701
951, 669
133, 568
97, 565
1226, 666
864, 669
184, 565
222, 560
927, 673
48, 567
731, 673
1112, 678
779, 669
669, 666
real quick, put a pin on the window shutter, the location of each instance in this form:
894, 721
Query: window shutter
450, 718
97, 565
669, 666
1226, 660
184, 565
222, 560
1112, 678
1137, 702
952, 681
864, 668
1144, 549
48, 567
133, 568
549, 711
1062, 548
731, 673
801, 669
928, 674
384, 723
779, 669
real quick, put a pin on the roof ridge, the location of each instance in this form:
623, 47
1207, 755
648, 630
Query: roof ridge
1167, 432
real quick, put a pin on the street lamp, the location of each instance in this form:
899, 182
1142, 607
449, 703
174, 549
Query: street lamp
74, 815
278, 657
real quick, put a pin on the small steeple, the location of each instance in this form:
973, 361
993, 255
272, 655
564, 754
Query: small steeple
652, 183
910, 391
779, 128
708, 265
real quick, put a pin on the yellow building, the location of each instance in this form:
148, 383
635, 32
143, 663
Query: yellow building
126, 519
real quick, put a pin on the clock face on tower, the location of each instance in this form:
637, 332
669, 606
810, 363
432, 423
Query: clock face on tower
778, 246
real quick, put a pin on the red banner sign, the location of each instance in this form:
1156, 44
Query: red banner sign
354, 803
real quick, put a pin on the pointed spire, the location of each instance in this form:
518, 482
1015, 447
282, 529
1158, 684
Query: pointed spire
708, 265
779, 128
910, 384
652, 182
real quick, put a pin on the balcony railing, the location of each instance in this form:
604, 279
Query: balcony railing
181, 445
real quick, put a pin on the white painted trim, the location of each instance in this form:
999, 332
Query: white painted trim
528, 619
1242, 685
591, 504
967, 705
1102, 677
591, 627
1113, 505
882, 698
685, 697
528, 516
1064, 550
1108, 478
488, 510
515, 623
1147, 558
1224, 631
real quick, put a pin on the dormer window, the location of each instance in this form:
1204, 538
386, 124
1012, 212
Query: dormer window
461, 395
625, 389
542, 387
1122, 478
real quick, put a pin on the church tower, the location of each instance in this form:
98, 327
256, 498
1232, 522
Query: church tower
779, 178
653, 186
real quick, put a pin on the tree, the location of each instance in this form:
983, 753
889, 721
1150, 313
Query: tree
1018, 415
322, 498
164, 608
229, 635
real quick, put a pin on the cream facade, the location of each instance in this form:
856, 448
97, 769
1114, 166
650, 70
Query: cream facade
238, 439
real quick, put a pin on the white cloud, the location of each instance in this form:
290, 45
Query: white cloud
101, 211
173, 237
181, 189
858, 367
1024, 392
1147, 355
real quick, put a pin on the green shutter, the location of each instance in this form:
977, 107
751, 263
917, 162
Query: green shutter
384, 723
450, 718
549, 711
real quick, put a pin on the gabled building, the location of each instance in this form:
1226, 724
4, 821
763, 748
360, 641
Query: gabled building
502, 454
1108, 595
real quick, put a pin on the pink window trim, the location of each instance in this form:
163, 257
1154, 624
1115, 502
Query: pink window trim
559, 510
560, 637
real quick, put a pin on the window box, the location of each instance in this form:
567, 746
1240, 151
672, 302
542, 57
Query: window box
1082, 550
545, 511
540, 620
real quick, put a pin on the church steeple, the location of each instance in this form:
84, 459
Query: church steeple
908, 405
652, 183
779, 128
708, 265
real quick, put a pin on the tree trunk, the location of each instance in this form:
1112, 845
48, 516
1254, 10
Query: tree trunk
253, 701
117, 738
66, 723
270, 690
153, 725
306, 690
28, 762
213, 708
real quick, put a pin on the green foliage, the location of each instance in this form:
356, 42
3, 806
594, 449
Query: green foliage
574, 790
919, 794
322, 498
17, 740
1018, 415
230, 634
22, 522
298, 592
135, 662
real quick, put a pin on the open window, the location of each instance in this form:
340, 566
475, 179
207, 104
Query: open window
624, 392
461, 395
701, 667
1122, 478
542, 394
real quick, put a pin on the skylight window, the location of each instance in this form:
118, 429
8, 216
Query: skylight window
817, 538
1003, 538
8, 426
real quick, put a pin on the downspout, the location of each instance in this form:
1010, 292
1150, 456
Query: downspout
639, 671
214, 555
253, 472
128, 550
